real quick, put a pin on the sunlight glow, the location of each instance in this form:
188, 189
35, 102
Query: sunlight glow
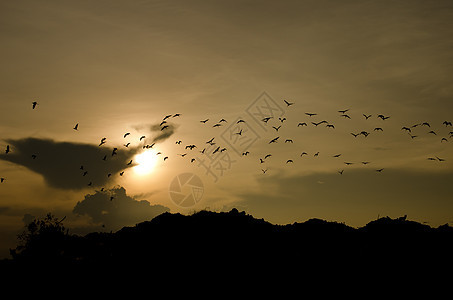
146, 161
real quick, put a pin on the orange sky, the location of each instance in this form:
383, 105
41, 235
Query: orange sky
115, 67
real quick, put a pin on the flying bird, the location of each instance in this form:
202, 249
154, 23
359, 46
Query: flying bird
288, 141
240, 121
122, 173
341, 172
330, 126
245, 153
2, 179
406, 128
343, 111
76, 127
265, 120
127, 145
264, 171
378, 129
34, 103
217, 125
7, 149
162, 123
268, 155
274, 140
383, 117
176, 115
239, 133
166, 117
355, 134
348, 163
288, 103
310, 114
126, 134
302, 124
223, 120
303, 153
178, 142
443, 139
379, 170
164, 127
277, 128
316, 154
366, 116
282, 119
165, 158
289, 161
432, 132
211, 141
447, 123
129, 163
114, 151
345, 116
336, 155
142, 137
204, 121
440, 159
426, 124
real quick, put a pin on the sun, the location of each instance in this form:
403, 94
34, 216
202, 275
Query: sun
146, 161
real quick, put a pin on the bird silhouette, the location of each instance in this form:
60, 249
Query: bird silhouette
162, 123
412, 136
366, 116
267, 156
311, 114
210, 142
355, 134
365, 162
289, 161
274, 140
129, 163
440, 159
261, 161
341, 172
443, 139
316, 154
204, 121
343, 111
164, 127
288, 103
114, 151
127, 145
330, 126
240, 121
239, 132
34, 103
7, 149
223, 120
121, 173
383, 117
166, 117
447, 123
406, 128
265, 120
336, 155
76, 127
165, 158
348, 163
379, 170
85, 173
126, 134
176, 115
282, 119
178, 142
426, 124
277, 128
190, 147
302, 124
432, 132
303, 153
2, 179
217, 125
378, 129
264, 171
288, 141
33, 156
345, 116
142, 137
245, 153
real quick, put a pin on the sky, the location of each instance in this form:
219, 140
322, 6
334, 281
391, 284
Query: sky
117, 67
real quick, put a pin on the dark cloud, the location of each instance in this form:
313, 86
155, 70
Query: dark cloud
59, 162
121, 210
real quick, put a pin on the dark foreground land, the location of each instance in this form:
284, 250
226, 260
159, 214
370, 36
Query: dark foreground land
234, 238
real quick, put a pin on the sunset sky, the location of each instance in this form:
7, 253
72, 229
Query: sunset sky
114, 67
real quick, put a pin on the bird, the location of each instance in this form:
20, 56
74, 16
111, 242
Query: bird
121, 173
265, 120
330, 126
310, 114
364, 133
383, 117
447, 123
264, 171
105, 157
204, 121
412, 136
316, 154
303, 153
192, 160
165, 158
245, 153
288, 103
109, 174
90, 183
277, 128
223, 149
2, 179
343, 111
114, 151
178, 142
76, 127
85, 173
216, 150
282, 119
223, 120
211, 141
102, 141
443, 139
176, 115
302, 124
183, 154
440, 159
240, 121
406, 128
316, 124
274, 140
239, 132
366, 116
336, 155
217, 125
7, 149
127, 145
345, 116
432, 132
426, 124
126, 134
379, 170
142, 137
289, 161
33, 156
261, 161
431, 158
111, 198
355, 134
34, 103
365, 162
378, 129
162, 123
190, 147
129, 163
166, 117
341, 172
288, 141
267, 156
348, 163
81, 167
164, 127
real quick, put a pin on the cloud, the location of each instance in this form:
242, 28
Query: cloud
60, 162
120, 211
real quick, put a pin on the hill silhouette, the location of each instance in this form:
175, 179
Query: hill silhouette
234, 237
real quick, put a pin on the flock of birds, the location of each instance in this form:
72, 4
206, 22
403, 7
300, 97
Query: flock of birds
212, 147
